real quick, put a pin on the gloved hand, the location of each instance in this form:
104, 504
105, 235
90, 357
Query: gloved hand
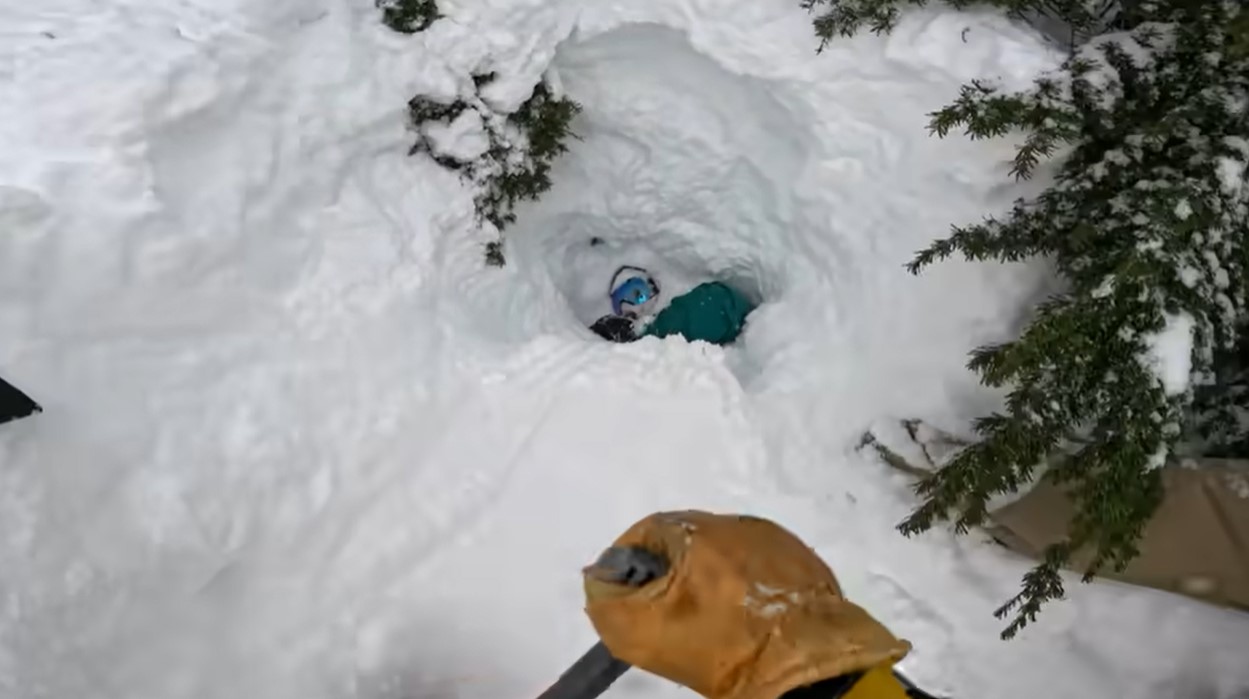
745, 610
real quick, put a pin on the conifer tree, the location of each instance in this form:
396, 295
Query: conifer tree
1148, 224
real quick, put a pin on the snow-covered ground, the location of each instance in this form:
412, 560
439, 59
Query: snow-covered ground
299, 442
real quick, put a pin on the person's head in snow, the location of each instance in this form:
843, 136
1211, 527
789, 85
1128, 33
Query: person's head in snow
633, 292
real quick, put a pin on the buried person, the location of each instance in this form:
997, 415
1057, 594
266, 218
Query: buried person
712, 311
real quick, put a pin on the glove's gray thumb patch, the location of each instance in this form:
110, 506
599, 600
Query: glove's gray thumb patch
633, 566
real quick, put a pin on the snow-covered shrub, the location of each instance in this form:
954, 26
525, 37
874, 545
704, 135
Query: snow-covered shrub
514, 159
1080, 19
408, 16
1148, 223
516, 149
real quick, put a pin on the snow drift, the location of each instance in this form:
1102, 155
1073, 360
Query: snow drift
300, 442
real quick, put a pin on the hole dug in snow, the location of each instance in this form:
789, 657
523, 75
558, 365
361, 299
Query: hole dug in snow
682, 168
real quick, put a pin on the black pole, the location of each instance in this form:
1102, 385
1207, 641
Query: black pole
589, 677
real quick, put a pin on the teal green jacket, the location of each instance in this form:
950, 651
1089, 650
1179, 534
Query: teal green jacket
713, 312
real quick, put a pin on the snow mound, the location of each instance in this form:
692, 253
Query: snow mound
299, 442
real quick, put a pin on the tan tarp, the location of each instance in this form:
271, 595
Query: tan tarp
1197, 544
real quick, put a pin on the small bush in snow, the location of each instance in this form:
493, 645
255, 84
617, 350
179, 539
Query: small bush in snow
516, 164
846, 17
1148, 223
408, 16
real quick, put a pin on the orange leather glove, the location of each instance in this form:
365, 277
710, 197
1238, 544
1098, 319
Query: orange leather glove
745, 610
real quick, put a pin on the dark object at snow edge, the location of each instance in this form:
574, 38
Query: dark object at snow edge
14, 404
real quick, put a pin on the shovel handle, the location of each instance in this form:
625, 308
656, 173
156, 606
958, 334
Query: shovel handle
595, 671
589, 677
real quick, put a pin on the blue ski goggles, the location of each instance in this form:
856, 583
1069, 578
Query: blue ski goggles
634, 292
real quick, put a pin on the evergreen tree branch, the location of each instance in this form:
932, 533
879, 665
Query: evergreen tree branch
517, 164
1146, 218
1040, 585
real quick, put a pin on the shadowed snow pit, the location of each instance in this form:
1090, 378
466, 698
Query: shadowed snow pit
680, 170
792, 185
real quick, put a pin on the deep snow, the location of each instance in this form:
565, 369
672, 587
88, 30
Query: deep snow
299, 442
